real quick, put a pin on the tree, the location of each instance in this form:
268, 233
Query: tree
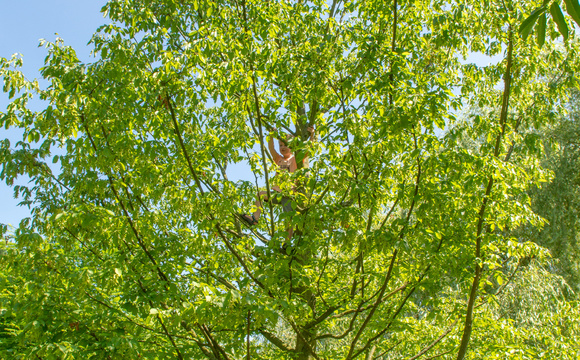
401, 238
558, 201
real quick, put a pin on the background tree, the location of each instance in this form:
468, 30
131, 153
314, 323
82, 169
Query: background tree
135, 249
559, 200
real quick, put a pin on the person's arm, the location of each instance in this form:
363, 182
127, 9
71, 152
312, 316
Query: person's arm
272, 149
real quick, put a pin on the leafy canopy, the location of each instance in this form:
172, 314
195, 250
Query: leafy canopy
402, 218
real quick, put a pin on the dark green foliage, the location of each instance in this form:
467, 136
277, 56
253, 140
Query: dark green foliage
559, 200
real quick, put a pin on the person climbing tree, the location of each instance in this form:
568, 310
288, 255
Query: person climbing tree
286, 161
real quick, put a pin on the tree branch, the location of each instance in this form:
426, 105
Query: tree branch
428, 347
376, 305
240, 260
274, 340
481, 215
169, 103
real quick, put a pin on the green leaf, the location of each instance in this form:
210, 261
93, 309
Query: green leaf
541, 33
559, 19
528, 25
573, 9
62, 348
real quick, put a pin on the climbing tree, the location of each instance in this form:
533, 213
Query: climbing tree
402, 246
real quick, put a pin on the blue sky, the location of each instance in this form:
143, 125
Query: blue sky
22, 24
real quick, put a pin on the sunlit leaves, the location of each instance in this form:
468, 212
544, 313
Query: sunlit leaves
157, 151
528, 24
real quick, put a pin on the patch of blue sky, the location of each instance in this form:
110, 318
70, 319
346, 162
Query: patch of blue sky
22, 25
